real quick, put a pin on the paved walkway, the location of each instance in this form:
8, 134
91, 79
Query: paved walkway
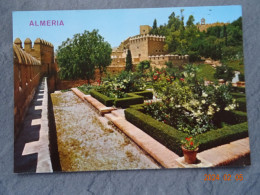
31, 148
217, 156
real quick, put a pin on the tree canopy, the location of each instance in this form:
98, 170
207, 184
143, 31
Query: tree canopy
78, 57
217, 42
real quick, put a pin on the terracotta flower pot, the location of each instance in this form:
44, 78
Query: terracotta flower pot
190, 155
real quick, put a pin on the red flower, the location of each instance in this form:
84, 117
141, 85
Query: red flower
188, 138
191, 143
164, 121
155, 77
182, 79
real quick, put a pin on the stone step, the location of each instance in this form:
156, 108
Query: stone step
98, 105
119, 113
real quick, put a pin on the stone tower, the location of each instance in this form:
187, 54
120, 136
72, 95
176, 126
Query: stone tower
145, 29
203, 21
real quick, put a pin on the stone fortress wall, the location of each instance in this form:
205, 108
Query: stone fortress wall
30, 64
144, 47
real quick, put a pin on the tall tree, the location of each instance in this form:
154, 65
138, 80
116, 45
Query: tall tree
190, 21
78, 57
129, 64
155, 24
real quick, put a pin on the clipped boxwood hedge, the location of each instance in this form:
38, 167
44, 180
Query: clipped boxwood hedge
238, 95
241, 104
102, 98
222, 136
146, 94
131, 100
171, 137
239, 89
165, 134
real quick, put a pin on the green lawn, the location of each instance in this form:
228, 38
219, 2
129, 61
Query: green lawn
236, 65
206, 72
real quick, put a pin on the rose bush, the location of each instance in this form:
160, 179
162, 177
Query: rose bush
187, 104
119, 85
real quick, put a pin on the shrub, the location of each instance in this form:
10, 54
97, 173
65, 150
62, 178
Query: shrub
163, 133
102, 98
171, 138
119, 85
187, 104
145, 94
222, 136
130, 100
241, 77
239, 89
86, 88
224, 72
241, 104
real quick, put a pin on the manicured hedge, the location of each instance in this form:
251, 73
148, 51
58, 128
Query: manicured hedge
163, 133
239, 89
231, 117
238, 95
102, 98
147, 94
171, 137
241, 104
131, 100
222, 136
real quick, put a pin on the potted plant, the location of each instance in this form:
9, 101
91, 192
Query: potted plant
190, 149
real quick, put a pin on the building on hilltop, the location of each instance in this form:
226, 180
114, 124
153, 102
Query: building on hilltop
144, 47
203, 26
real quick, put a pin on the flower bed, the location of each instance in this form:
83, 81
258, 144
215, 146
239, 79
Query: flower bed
189, 107
171, 137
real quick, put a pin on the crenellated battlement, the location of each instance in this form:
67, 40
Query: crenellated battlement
169, 56
147, 37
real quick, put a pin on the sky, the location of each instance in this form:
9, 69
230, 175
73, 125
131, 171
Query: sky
115, 25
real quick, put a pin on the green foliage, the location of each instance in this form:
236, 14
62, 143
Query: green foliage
218, 42
145, 94
206, 72
222, 136
125, 82
129, 64
163, 133
130, 100
171, 138
241, 104
102, 98
143, 65
187, 104
241, 77
239, 89
190, 143
78, 57
86, 88
224, 72
237, 65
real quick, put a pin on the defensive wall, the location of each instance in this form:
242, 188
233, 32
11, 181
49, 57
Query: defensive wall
30, 64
